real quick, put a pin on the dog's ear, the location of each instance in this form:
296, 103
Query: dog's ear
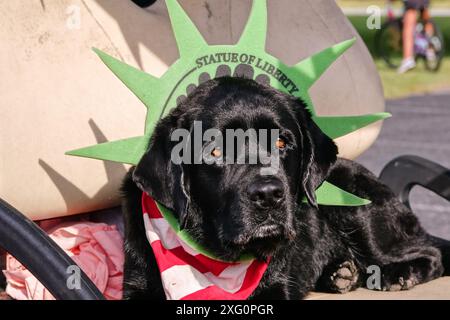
163, 180
319, 154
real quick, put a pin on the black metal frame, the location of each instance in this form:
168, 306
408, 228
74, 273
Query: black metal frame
29, 244
405, 172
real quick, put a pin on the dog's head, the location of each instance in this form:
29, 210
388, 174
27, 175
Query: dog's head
236, 206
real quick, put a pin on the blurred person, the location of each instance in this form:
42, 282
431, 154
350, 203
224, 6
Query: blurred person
412, 8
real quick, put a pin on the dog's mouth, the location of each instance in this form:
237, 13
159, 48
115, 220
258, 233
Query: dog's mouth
267, 231
264, 240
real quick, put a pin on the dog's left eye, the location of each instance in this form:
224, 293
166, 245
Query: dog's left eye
280, 144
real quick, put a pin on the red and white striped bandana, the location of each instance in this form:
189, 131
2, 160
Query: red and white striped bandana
186, 273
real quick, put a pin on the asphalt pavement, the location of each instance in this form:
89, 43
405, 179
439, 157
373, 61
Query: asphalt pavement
420, 125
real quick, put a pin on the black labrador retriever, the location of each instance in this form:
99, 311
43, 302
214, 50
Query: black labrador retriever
232, 209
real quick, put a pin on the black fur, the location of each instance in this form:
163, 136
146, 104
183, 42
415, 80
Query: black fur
311, 247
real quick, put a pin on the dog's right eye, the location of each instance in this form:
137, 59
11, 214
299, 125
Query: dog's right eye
217, 153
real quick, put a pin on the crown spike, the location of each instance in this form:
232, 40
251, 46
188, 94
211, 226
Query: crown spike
255, 31
336, 127
330, 195
128, 151
139, 82
313, 67
188, 38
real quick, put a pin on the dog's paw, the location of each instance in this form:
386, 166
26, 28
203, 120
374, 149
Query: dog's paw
401, 284
399, 277
345, 278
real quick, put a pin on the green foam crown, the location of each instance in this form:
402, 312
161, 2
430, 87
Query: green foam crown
199, 62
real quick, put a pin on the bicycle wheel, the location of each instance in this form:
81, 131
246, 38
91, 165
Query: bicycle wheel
389, 43
436, 43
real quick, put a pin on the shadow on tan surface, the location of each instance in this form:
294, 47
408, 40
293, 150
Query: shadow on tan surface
73, 196
438, 289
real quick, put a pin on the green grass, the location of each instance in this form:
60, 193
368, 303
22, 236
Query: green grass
416, 81
382, 3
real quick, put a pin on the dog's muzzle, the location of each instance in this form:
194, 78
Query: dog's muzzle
266, 193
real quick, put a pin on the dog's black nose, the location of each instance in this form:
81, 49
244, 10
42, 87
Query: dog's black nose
267, 192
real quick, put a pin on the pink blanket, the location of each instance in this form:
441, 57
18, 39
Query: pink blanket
95, 247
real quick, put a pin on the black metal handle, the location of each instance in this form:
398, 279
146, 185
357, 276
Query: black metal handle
144, 3
29, 244
403, 173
